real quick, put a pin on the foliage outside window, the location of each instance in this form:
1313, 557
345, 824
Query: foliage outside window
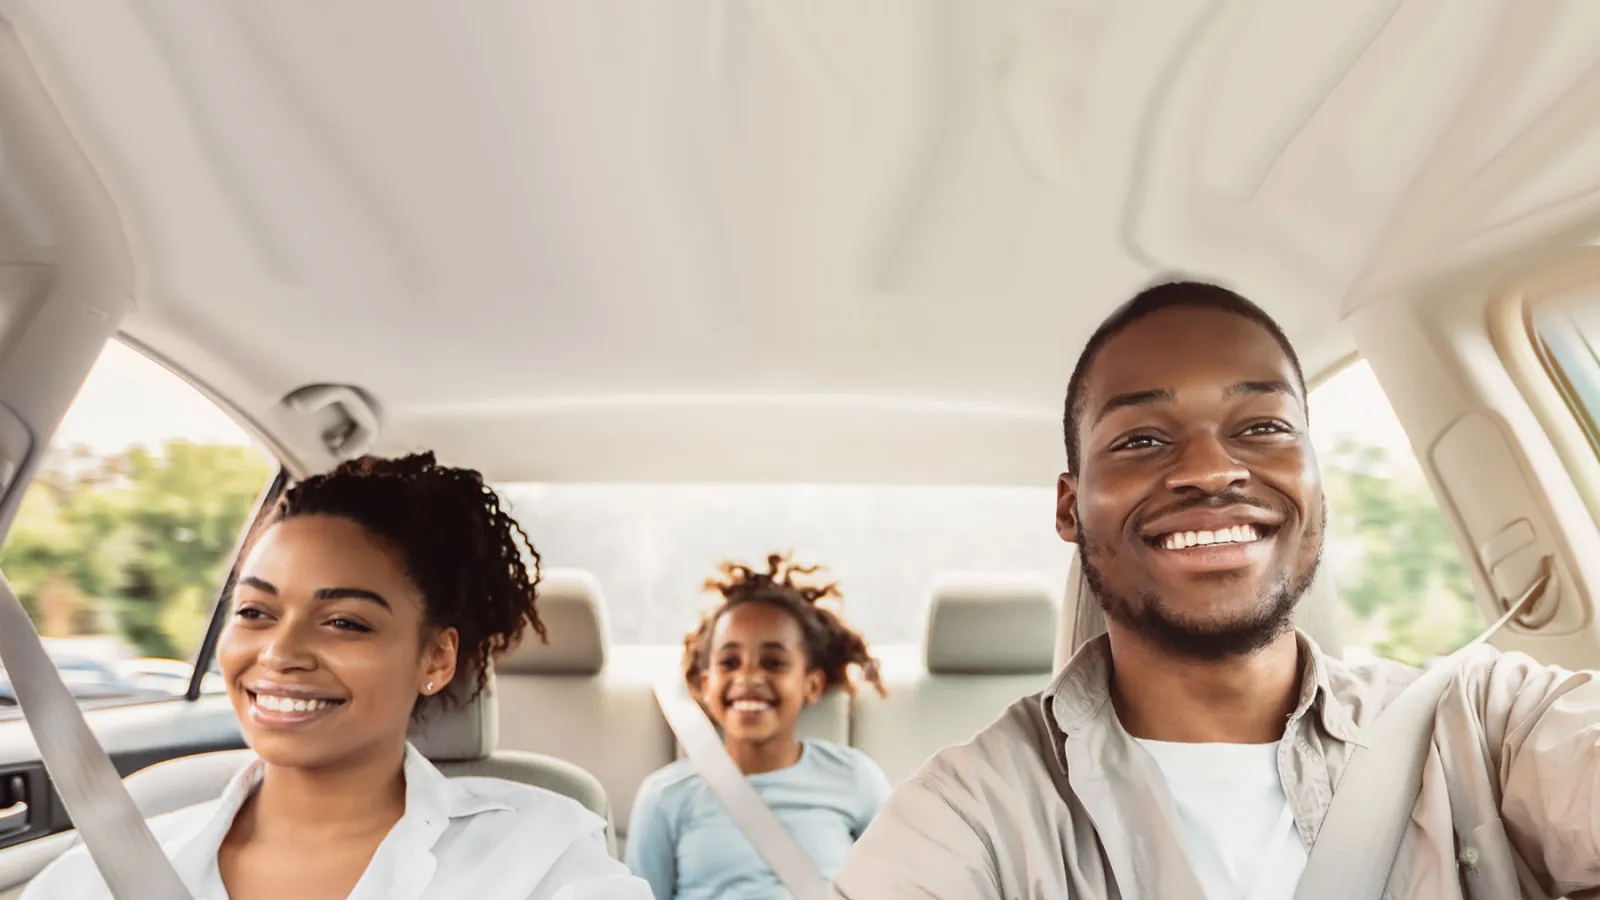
1396, 565
127, 531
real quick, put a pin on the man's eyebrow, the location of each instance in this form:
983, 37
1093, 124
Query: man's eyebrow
1134, 398
1245, 388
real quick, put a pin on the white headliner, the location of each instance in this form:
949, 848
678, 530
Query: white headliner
831, 240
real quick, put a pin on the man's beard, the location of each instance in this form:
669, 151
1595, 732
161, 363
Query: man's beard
1148, 617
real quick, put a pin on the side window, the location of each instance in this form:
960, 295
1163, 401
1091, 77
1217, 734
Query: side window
1565, 329
1389, 549
126, 533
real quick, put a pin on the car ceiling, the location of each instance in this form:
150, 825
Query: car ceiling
739, 240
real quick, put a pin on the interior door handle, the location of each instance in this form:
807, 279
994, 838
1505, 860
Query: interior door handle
14, 817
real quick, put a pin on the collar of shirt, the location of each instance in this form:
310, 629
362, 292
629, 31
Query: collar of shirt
404, 862
1077, 696
1118, 783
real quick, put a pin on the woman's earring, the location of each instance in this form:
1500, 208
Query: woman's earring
430, 687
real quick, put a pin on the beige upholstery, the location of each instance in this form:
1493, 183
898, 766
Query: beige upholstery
990, 641
567, 699
827, 720
1318, 615
990, 624
177, 783
573, 612
449, 728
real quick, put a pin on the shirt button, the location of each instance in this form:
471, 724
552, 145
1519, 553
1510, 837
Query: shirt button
1469, 857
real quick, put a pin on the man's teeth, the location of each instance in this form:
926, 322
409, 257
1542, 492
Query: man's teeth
289, 704
1238, 534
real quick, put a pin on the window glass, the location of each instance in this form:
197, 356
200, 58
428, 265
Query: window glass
1394, 562
653, 546
1565, 328
127, 532
1390, 551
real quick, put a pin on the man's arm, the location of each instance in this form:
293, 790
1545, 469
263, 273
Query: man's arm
919, 847
1544, 723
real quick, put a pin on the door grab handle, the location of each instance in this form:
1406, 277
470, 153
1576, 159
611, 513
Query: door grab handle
14, 817
1518, 610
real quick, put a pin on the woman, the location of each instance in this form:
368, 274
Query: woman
766, 652
362, 595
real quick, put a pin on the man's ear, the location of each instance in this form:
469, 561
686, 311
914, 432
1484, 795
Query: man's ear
1067, 507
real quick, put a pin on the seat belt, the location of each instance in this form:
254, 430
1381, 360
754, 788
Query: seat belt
755, 819
131, 862
1359, 840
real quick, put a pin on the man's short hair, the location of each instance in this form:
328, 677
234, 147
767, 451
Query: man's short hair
1195, 294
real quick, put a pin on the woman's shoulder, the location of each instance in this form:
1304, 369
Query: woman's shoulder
74, 873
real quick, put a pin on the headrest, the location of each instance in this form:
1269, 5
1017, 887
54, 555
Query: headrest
990, 624
459, 731
1082, 620
573, 611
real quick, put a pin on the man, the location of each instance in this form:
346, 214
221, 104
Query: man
1194, 749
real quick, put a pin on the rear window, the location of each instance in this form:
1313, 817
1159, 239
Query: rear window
653, 546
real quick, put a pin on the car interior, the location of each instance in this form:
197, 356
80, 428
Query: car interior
679, 270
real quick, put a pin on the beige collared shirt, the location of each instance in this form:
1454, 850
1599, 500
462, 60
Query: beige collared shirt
1055, 801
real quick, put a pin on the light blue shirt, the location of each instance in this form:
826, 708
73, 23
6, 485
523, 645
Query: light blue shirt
683, 842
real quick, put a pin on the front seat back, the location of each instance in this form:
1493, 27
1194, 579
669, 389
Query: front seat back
460, 740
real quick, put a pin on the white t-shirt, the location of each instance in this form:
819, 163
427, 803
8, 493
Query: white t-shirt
1237, 825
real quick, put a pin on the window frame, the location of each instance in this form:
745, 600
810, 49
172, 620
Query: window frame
208, 643
1537, 372
273, 488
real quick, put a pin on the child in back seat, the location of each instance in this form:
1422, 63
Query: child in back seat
766, 652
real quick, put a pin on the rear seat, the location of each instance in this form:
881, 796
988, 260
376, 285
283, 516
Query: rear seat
564, 700
991, 638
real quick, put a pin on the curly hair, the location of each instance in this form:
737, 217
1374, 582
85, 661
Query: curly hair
454, 541
830, 644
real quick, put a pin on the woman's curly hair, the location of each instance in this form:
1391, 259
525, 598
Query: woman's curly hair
456, 544
831, 645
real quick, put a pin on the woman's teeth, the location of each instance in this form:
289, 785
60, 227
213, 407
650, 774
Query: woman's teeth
1238, 534
289, 704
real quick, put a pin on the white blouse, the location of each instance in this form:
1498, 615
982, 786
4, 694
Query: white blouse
483, 838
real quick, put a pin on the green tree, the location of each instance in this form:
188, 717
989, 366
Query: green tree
1399, 572
143, 537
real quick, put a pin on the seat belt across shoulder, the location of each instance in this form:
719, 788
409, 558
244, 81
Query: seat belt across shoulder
1359, 841
772, 840
130, 860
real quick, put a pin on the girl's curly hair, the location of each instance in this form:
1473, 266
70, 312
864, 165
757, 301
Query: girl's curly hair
456, 544
831, 645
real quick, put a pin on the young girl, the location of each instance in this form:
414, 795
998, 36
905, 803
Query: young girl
363, 593
766, 652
